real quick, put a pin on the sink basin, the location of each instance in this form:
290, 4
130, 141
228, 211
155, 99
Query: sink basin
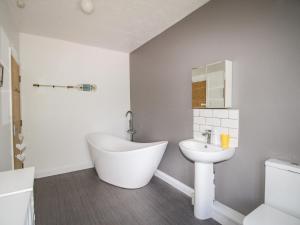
200, 152
204, 156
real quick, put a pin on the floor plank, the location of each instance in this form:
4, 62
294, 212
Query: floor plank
81, 198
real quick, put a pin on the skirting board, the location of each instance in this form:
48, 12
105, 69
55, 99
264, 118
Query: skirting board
175, 183
222, 213
61, 170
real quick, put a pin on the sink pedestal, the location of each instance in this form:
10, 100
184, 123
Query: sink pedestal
204, 190
204, 155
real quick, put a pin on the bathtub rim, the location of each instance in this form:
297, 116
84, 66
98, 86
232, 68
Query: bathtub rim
153, 144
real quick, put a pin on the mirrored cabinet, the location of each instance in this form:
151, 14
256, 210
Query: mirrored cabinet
212, 85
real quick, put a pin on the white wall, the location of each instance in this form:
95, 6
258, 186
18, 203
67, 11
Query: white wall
8, 38
5, 106
56, 121
8, 22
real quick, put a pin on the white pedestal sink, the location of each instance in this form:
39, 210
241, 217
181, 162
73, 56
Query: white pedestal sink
204, 156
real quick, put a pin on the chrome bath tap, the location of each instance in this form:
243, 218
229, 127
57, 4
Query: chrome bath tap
131, 131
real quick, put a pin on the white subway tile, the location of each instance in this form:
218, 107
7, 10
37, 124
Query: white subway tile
233, 142
217, 122
199, 136
229, 123
214, 137
204, 128
196, 112
233, 133
234, 114
220, 113
213, 121
223, 120
199, 120
222, 130
206, 112
210, 121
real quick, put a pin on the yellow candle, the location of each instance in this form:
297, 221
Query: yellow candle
225, 141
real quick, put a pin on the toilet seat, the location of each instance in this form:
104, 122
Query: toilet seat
266, 215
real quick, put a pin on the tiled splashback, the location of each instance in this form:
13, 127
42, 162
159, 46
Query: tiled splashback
223, 120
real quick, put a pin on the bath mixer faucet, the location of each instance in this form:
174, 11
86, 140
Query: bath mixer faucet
207, 134
131, 131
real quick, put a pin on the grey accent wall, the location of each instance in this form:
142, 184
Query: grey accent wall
262, 38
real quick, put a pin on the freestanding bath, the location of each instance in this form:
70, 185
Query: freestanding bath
123, 163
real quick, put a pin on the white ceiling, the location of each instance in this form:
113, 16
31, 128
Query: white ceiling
122, 25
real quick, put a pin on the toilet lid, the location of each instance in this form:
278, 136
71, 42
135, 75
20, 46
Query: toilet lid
266, 215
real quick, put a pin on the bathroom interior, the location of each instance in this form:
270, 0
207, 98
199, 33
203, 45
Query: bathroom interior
149, 112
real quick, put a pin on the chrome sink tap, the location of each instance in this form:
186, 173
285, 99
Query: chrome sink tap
207, 134
131, 131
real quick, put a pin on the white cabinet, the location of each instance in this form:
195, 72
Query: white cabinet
16, 197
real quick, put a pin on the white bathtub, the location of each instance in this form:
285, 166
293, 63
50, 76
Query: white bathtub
123, 163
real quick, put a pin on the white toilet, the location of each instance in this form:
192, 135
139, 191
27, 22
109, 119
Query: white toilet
282, 196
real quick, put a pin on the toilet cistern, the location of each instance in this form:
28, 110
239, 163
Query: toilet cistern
130, 131
204, 155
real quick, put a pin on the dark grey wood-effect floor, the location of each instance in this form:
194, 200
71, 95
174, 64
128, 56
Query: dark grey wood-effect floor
81, 198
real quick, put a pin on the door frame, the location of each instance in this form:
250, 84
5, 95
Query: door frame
12, 53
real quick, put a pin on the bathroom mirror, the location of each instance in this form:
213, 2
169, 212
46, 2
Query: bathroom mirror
212, 85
